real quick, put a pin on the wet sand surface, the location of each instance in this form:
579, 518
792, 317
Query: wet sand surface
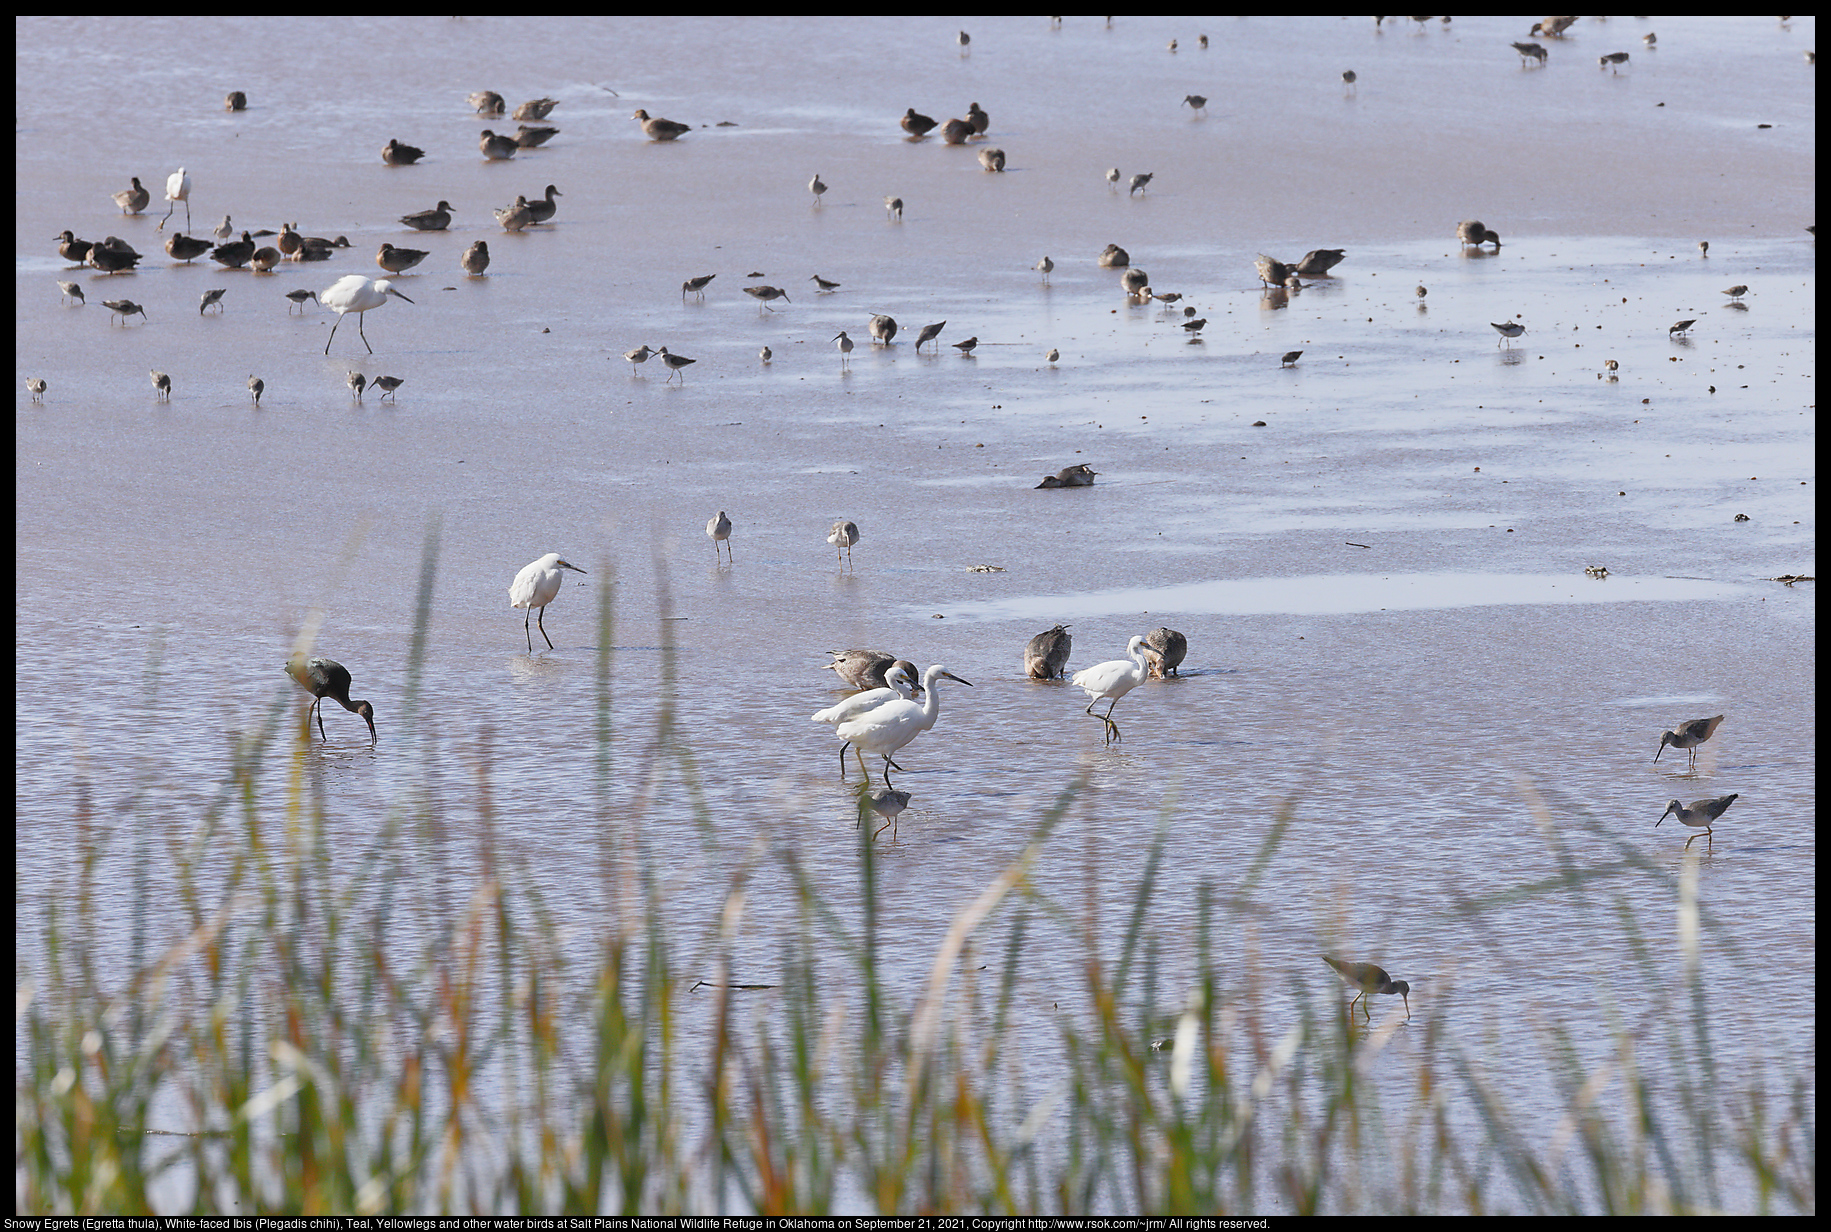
1391, 631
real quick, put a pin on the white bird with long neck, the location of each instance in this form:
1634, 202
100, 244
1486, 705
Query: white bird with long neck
1113, 680
885, 728
901, 687
536, 586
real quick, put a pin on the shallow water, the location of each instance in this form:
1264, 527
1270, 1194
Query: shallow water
1383, 587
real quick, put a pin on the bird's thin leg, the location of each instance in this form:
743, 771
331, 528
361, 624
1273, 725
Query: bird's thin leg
526, 632
887, 782
842, 758
880, 830
318, 709
894, 766
541, 622
333, 337
862, 767
168, 215
363, 336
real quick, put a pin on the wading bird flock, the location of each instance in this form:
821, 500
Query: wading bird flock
895, 704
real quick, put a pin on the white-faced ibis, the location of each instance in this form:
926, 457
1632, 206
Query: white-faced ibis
324, 678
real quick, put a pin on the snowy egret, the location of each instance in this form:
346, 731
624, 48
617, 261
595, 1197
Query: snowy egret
162, 383
843, 535
826, 286
1368, 978
763, 293
884, 729
1509, 330
37, 385
1045, 265
1702, 815
298, 299
676, 364
883, 328
324, 678
888, 803
816, 187
1688, 736
397, 155
435, 219
71, 290
1046, 654
992, 159
214, 296
177, 188
388, 384
536, 586
845, 349
542, 209
476, 259
181, 247
657, 129
124, 308
1165, 649
869, 669
1112, 680
696, 285
496, 149
535, 109
256, 387
718, 529
1319, 261
930, 333
916, 124
133, 200
354, 293
899, 685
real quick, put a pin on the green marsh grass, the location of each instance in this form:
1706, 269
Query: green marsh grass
326, 1042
